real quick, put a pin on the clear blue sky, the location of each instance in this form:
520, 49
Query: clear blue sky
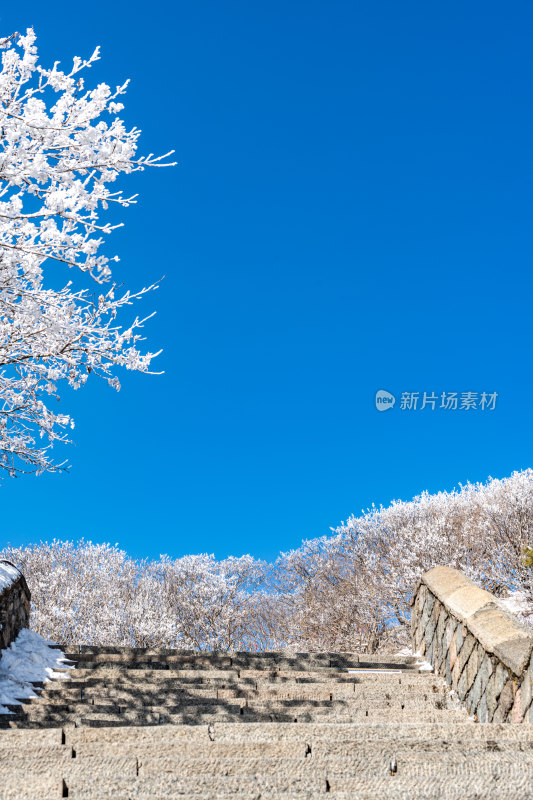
352, 211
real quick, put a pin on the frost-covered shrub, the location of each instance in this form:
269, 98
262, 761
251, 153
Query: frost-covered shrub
346, 591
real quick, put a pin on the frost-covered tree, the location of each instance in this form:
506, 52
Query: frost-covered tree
347, 591
62, 147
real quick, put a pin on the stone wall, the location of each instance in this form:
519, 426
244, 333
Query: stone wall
480, 648
14, 603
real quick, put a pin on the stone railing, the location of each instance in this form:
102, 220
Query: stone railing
480, 648
14, 603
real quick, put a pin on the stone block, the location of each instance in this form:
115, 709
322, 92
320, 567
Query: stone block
527, 692
429, 630
452, 649
426, 611
501, 675
450, 630
448, 672
481, 710
516, 716
466, 651
460, 633
429, 652
442, 581
500, 633
441, 638
505, 702
467, 600
456, 673
484, 672
490, 696
471, 668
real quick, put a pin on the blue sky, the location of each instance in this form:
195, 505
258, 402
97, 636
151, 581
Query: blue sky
352, 211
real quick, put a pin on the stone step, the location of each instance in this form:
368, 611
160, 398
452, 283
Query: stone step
32, 787
11, 739
194, 749
125, 767
435, 787
317, 675
388, 790
156, 664
136, 684
327, 752
81, 678
244, 677
172, 786
415, 732
245, 655
130, 717
362, 733
162, 734
394, 731
376, 766
57, 752
222, 699
178, 663
117, 662
318, 750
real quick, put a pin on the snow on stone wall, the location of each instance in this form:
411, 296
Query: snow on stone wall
14, 603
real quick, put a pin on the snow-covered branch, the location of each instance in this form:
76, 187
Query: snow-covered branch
347, 591
62, 147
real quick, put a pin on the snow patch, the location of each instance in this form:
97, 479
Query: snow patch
519, 603
8, 575
406, 651
29, 658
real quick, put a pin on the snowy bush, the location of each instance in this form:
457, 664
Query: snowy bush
346, 591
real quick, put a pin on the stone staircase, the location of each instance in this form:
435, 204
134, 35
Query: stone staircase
152, 724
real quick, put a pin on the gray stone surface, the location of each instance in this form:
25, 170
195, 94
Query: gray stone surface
481, 650
14, 610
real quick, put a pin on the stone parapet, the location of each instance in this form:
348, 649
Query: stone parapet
480, 648
14, 603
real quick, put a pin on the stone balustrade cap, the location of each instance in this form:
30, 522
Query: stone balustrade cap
499, 632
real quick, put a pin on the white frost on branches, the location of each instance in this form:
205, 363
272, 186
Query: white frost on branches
62, 147
348, 591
